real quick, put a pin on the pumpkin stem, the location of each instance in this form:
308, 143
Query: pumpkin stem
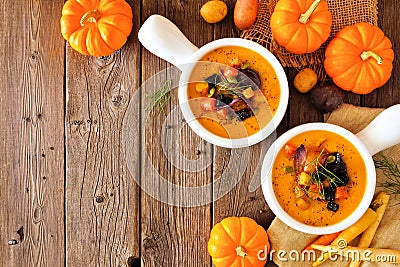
305, 16
92, 16
367, 54
241, 252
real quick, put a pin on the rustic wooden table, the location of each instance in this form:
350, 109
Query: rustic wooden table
67, 196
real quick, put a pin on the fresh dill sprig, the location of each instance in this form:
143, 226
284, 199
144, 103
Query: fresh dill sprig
391, 170
316, 167
317, 171
160, 98
230, 85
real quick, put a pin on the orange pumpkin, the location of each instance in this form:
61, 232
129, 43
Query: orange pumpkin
359, 58
301, 26
238, 241
96, 27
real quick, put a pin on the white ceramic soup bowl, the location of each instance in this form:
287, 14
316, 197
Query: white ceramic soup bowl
381, 133
162, 38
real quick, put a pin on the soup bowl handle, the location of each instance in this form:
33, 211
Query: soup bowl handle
383, 132
163, 38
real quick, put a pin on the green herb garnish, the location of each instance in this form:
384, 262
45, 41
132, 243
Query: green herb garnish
230, 86
288, 169
391, 170
318, 174
161, 97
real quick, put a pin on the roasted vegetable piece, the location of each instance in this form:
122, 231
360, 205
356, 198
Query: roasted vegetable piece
315, 191
300, 158
248, 93
250, 77
222, 113
290, 150
230, 71
333, 206
223, 100
238, 105
201, 88
208, 104
213, 80
329, 193
302, 204
243, 114
341, 192
338, 167
304, 178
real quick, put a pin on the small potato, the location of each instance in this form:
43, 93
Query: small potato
214, 11
245, 13
305, 80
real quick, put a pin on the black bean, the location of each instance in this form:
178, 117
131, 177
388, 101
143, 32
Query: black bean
339, 168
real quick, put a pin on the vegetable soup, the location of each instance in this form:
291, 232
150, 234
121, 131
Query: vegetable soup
319, 178
234, 92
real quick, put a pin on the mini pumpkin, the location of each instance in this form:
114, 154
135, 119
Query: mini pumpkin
359, 58
96, 27
238, 241
301, 26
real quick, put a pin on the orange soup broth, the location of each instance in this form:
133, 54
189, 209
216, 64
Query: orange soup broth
318, 214
270, 89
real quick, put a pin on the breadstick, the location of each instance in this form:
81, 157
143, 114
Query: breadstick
323, 240
350, 233
379, 205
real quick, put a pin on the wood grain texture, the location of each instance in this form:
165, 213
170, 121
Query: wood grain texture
101, 195
85, 209
32, 135
173, 236
389, 94
300, 108
242, 166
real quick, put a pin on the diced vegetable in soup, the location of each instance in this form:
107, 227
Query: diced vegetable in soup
238, 96
319, 178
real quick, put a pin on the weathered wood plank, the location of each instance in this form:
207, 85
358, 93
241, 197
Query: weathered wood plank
389, 94
101, 195
300, 108
171, 235
31, 134
239, 169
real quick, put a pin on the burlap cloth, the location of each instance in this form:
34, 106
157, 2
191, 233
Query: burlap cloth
344, 13
285, 238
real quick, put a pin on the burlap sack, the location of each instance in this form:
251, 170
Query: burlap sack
285, 238
344, 13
